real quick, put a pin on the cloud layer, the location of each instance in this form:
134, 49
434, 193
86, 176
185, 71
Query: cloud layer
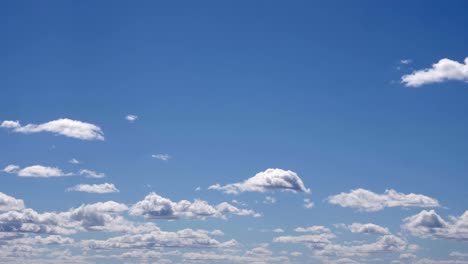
270, 179
443, 70
64, 126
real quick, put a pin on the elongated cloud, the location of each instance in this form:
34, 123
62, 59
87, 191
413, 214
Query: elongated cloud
368, 228
430, 224
158, 207
37, 171
312, 229
131, 118
92, 174
94, 188
8, 203
270, 179
65, 127
364, 200
443, 70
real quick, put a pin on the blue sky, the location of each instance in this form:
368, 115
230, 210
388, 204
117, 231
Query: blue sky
360, 108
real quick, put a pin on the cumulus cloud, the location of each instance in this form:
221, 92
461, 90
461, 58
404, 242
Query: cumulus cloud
314, 241
158, 207
368, 228
365, 200
131, 118
163, 157
92, 174
270, 179
428, 224
443, 70
65, 127
8, 203
37, 171
94, 188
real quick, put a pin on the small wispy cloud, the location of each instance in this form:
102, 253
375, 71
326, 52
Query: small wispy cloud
74, 161
92, 174
163, 157
131, 118
406, 61
308, 203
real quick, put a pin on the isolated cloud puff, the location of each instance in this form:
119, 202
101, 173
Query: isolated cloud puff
443, 70
158, 207
131, 118
64, 126
37, 171
94, 188
8, 203
430, 224
365, 200
368, 228
74, 161
92, 174
312, 229
270, 179
163, 157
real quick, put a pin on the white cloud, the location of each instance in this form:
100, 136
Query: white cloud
8, 203
131, 118
155, 206
270, 179
308, 203
312, 229
38, 171
10, 124
66, 127
163, 157
443, 70
368, 228
94, 188
92, 174
458, 254
11, 168
430, 224
406, 61
365, 200
314, 241
74, 161
278, 230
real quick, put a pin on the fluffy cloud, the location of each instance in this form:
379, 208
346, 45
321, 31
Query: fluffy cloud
38, 171
94, 188
155, 206
368, 228
92, 174
65, 127
314, 241
8, 203
163, 157
131, 118
270, 179
444, 70
430, 224
365, 200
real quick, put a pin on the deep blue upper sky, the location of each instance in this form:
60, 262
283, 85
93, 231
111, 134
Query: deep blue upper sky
231, 88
